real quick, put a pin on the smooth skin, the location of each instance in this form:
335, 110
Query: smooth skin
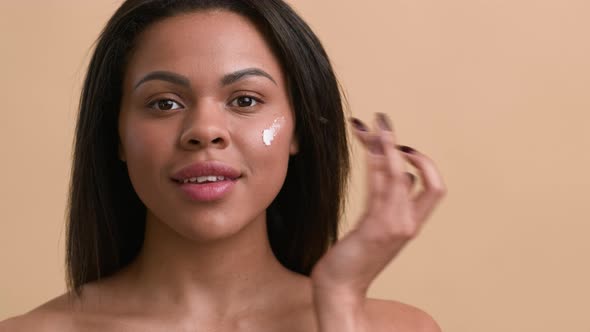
209, 266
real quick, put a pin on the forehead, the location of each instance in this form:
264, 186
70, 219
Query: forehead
204, 44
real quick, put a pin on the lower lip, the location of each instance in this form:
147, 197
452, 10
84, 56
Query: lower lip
207, 192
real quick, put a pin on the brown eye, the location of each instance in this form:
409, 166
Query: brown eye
244, 101
165, 105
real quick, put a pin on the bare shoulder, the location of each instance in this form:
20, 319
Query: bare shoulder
396, 316
50, 316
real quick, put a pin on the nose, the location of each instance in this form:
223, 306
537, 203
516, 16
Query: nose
205, 127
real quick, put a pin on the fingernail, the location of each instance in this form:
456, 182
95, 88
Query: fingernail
406, 149
384, 121
358, 124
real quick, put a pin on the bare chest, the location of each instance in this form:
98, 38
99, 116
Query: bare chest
296, 322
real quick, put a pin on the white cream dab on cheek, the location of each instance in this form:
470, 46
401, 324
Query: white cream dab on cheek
268, 135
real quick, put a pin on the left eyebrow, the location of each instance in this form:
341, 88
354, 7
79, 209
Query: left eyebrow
240, 74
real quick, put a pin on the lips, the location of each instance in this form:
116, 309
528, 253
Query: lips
224, 177
209, 168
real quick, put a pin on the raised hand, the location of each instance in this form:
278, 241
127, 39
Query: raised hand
392, 217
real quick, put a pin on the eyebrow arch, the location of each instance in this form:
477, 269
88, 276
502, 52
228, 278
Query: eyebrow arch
185, 82
240, 74
164, 76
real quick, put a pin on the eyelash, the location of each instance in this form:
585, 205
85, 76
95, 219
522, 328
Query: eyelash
256, 100
154, 104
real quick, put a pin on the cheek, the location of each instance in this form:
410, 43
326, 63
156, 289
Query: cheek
269, 134
146, 149
268, 148
141, 142
270, 139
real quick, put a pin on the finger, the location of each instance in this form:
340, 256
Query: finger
375, 162
434, 187
369, 139
383, 178
399, 188
396, 160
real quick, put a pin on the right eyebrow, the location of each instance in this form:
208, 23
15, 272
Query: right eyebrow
231, 78
164, 76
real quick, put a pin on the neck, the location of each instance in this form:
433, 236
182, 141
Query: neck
219, 278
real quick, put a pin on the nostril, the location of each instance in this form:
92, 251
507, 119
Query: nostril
217, 140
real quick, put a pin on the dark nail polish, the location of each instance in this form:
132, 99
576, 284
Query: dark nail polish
406, 149
358, 124
384, 121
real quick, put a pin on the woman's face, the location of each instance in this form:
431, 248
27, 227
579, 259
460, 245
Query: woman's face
204, 97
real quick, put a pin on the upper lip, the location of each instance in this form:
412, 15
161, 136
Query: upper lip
214, 168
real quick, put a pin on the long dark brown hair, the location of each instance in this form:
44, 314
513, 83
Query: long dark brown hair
106, 220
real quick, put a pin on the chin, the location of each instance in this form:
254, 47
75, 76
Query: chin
207, 226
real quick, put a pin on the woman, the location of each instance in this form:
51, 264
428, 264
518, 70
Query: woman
209, 169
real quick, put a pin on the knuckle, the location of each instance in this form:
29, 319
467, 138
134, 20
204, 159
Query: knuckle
439, 191
395, 233
408, 231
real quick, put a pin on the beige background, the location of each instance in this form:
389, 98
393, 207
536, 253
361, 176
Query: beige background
497, 92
